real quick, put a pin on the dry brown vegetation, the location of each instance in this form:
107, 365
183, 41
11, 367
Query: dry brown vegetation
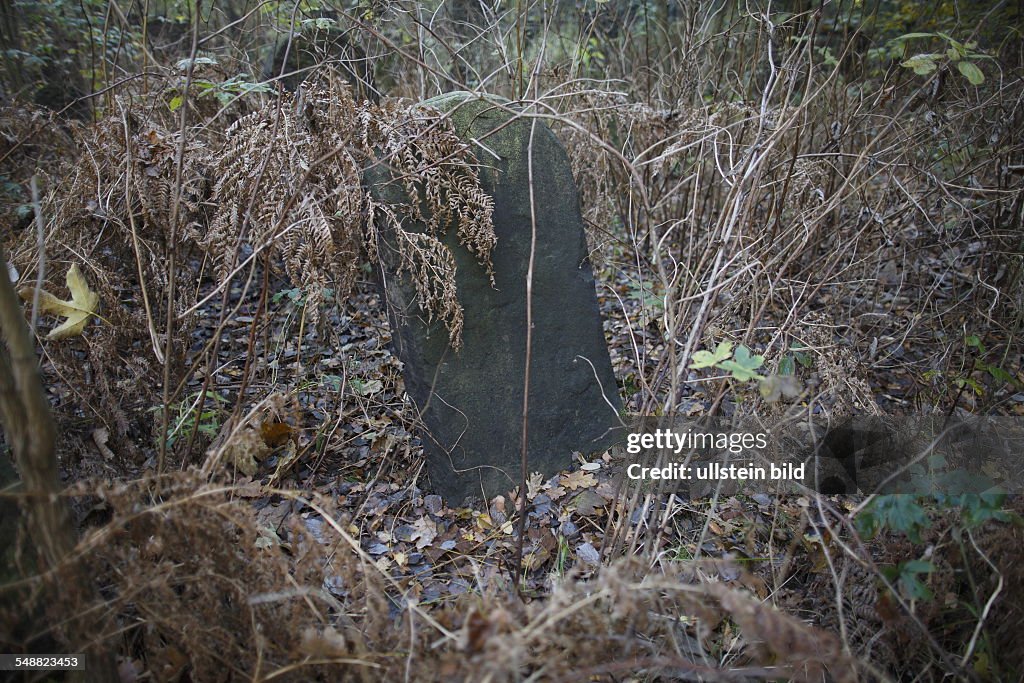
232, 434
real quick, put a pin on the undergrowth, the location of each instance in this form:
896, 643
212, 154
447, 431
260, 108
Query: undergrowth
836, 191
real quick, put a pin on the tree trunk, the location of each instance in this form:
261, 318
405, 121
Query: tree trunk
29, 430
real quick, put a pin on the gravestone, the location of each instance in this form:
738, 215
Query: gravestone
471, 400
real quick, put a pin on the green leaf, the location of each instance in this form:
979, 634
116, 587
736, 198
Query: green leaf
175, 102
922, 64
743, 365
918, 567
1000, 375
867, 523
199, 61
708, 359
899, 512
915, 589
744, 358
801, 355
973, 384
908, 36
957, 47
320, 23
971, 72
739, 372
367, 388
787, 366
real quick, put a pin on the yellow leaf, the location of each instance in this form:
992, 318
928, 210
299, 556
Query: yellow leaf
84, 303
578, 480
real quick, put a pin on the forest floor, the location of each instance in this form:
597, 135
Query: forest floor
341, 429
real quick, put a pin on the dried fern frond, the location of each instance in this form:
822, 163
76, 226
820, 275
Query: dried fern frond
438, 171
429, 264
290, 180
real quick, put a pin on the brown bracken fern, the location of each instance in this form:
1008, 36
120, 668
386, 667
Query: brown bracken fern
284, 183
290, 180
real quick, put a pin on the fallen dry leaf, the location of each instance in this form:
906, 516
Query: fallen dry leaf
533, 485
536, 559
84, 303
425, 532
275, 433
245, 450
555, 492
578, 480
100, 436
589, 503
588, 554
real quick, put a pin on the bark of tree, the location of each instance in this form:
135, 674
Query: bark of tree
29, 429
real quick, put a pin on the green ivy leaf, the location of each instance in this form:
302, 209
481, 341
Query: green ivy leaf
708, 359
744, 358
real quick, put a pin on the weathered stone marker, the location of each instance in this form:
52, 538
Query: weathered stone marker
472, 399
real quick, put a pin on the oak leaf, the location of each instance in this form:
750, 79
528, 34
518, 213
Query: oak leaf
578, 480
